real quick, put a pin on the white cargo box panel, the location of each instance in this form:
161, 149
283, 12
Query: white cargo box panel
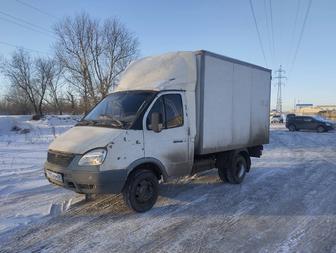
233, 104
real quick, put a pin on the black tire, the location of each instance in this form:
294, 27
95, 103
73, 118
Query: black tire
320, 129
141, 190
237, 170
292, 128
90, 196
221, 165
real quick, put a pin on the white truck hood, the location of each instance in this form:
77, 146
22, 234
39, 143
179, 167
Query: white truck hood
80, 139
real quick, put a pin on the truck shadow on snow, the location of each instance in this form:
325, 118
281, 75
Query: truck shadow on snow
265, 192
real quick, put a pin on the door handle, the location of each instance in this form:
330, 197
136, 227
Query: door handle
177, 141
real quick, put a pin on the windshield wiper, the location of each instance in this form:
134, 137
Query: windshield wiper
110, 122
113, 121
86, 122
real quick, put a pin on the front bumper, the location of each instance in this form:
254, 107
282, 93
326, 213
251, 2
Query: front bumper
86, 180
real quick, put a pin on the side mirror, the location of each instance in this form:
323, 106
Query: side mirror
156, 122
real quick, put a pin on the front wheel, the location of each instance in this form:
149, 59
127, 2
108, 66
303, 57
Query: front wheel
141, 191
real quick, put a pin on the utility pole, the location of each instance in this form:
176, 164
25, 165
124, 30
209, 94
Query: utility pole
279, 83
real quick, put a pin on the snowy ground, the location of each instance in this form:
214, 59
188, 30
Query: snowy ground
286, 203
25, 195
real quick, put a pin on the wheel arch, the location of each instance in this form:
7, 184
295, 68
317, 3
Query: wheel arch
322, 126
148, 163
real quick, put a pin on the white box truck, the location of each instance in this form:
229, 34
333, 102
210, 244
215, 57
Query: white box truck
172, 115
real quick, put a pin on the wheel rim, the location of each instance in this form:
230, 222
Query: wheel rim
320, 129
240, 169
144, 191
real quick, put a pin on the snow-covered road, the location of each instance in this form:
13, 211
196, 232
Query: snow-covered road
286, 203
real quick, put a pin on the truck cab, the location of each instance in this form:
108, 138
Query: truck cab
147, 130
164, 122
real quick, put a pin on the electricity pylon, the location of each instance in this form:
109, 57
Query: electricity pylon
279, 83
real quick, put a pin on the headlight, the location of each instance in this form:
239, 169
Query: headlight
328, 124
93, 157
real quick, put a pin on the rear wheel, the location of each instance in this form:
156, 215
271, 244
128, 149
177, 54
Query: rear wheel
90, 196
221, 164
141, 190
237, 170
232, 167
320, 129
291, 128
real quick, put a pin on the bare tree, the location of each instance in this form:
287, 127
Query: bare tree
93, 54
19, 72
30, 78
54, 86
44, 74
71, 99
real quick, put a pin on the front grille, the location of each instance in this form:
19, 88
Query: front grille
62, 159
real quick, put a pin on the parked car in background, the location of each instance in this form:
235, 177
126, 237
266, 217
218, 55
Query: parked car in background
289, 115
277, 119
296, 123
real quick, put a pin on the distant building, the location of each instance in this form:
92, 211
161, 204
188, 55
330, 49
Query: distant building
327, 107
300, 106
326, 111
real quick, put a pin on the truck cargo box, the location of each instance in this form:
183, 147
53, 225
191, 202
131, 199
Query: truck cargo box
228, 99
232, 104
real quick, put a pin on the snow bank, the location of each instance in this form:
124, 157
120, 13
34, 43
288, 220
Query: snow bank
25, 195
8, 122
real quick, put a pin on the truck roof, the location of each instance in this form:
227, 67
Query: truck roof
232, 60
174, 70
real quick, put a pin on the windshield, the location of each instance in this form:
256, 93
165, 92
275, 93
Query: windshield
118, 110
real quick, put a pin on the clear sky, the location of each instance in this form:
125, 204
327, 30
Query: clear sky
224, 27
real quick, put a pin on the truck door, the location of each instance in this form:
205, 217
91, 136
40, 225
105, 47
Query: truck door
171, 145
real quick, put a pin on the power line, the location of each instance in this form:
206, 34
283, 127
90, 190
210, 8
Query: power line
25, 26
272, 27
258, 32
25, 21
301, 35
268, 30
36, 9
296, 16
25, 48
294, 28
